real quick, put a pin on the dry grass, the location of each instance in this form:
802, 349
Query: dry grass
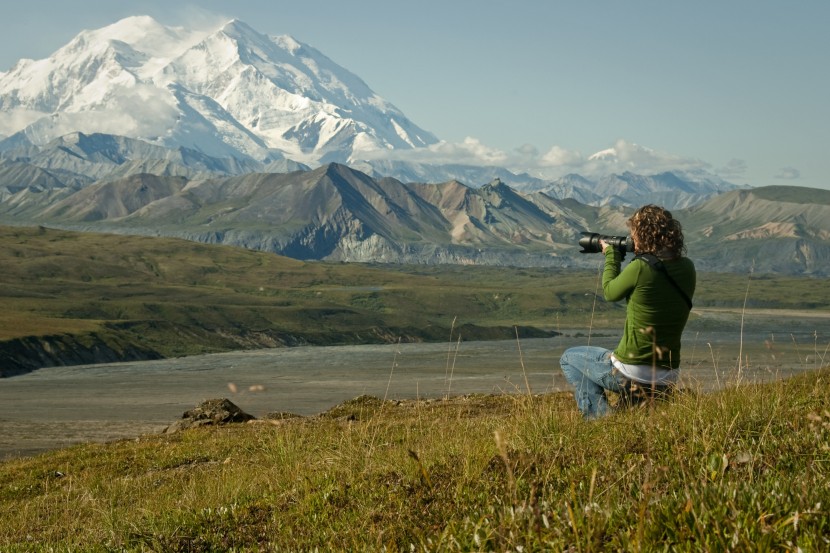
743, 469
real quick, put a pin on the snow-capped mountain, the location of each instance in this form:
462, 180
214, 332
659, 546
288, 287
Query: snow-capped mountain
141, 97
228, 92
673, 189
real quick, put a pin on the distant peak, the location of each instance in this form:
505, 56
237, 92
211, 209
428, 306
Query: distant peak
223, 89
141, 32
238, 28
338, 169
138, 20
130, 25
496, 185
237, 24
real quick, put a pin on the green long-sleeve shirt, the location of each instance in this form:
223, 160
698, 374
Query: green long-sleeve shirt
656, 313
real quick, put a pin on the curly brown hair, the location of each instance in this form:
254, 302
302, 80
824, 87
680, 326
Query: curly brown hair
654, 230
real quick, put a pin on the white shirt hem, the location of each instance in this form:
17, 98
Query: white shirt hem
646, 374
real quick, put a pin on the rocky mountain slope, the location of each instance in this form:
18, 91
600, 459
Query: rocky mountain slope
337, 213
778, 229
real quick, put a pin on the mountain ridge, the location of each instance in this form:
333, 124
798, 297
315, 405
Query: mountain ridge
337, 213
232, 136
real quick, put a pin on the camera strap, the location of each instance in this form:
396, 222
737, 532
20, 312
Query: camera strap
658, 265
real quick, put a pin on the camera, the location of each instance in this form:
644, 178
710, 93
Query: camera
590, 242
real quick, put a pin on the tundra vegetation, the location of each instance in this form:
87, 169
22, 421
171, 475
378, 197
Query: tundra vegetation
744, 468
174, 297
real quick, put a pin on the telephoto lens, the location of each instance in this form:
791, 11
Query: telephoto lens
590, 242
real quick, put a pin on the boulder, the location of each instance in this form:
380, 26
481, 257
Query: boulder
210, 412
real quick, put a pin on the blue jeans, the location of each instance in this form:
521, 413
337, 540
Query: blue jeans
590, 371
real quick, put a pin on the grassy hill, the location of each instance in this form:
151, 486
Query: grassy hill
140, 297
176, 297
745, 469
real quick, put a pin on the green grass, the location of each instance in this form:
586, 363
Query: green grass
179, 296
744, 469
795, 194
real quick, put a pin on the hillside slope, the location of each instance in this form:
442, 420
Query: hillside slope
779, 229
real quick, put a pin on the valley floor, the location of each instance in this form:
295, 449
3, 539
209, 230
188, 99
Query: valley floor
56, 407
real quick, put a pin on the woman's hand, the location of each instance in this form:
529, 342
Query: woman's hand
603, 244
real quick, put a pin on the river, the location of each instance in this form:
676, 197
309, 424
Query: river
59, 406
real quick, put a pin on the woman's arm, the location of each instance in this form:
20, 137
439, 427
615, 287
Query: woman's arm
617, 285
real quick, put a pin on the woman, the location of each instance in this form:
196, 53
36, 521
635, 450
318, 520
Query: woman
658, 284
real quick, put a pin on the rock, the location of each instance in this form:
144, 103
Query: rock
210, 412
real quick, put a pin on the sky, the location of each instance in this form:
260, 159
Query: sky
740, 88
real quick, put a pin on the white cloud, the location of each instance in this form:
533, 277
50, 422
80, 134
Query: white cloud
733, 168
142, 111
196, 18
558, 156
526, 154
788, 173
629, 154
152, 110
469, 152
622, 156
17, 119
554, 163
